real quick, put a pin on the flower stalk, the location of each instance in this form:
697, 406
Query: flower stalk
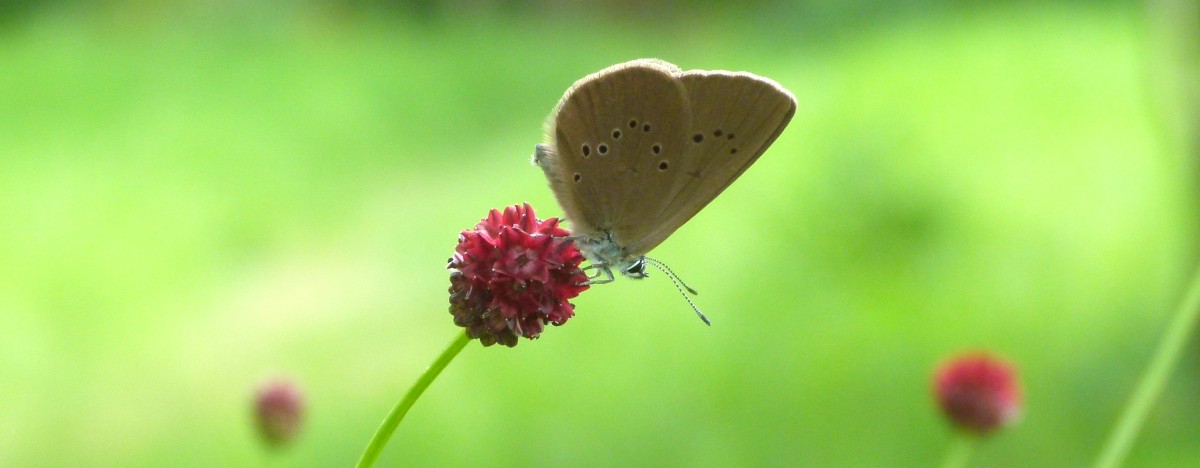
960, 450
384, 433
1165, 359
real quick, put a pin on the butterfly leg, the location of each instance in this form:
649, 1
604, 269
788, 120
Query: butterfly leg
594, 278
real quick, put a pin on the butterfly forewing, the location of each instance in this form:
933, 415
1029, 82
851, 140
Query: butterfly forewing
610, 133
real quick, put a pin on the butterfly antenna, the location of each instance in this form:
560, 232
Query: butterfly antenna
680, 285
665, 269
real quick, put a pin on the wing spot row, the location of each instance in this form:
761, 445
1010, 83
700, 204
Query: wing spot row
662, 165
633, 123
699, 137
602, 149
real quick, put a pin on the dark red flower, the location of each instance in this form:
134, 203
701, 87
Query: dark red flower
279, 411
512, 275
978, 392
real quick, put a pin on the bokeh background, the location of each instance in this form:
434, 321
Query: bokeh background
196, 197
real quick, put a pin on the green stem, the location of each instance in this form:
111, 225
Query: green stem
1155, 378
393, 419
960, 451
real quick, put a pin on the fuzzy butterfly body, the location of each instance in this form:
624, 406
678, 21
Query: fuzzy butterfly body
634, 151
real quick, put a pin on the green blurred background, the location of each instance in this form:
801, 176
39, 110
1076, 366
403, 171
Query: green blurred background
198, 196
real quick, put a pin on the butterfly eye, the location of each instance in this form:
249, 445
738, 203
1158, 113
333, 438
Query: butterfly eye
637, 270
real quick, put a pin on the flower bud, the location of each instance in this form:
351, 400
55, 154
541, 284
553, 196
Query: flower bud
279, 411
978, 392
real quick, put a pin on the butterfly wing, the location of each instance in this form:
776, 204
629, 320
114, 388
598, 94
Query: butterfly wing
735, 117
606, 140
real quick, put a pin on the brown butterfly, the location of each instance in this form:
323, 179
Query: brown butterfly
635, 150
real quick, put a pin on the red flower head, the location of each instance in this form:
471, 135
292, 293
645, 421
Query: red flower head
279, 411
978, 392
512, 275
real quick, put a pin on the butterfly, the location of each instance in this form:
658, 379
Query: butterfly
634, 151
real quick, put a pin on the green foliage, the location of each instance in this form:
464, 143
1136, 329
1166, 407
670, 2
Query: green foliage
192, 201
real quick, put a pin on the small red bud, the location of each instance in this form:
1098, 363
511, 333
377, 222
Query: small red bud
279, 411
978, 392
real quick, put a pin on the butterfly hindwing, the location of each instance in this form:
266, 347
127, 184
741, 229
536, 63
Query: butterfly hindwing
735, 117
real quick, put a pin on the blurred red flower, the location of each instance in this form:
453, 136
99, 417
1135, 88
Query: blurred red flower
279, 411
978, 392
